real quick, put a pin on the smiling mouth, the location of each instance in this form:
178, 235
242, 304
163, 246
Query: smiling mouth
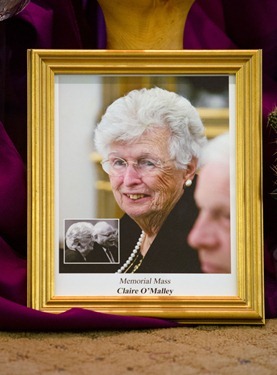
135, 197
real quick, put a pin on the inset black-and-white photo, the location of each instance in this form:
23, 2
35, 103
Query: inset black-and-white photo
91, 241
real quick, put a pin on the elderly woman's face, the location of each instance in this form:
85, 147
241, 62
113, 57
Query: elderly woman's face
149, 183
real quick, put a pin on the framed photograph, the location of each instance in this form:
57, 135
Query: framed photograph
77, 229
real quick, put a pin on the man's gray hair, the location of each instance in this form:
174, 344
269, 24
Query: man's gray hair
216, 150
102, 227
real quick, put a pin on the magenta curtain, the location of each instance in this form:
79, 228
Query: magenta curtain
76, 24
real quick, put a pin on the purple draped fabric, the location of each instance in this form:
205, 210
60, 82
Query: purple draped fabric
217, 24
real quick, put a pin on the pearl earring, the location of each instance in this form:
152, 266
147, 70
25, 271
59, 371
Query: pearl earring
188, 183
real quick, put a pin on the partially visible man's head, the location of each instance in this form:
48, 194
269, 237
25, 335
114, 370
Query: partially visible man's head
210, 234
105, 234
79, 237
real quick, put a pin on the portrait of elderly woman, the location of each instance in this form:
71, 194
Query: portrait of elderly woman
150, 142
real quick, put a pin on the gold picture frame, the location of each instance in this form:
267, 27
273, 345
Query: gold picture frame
51, 76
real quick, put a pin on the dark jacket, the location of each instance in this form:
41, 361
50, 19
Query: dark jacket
73, 256
98, 254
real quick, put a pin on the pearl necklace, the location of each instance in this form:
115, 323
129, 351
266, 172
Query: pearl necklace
133, 254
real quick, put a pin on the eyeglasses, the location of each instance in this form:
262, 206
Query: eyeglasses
111, 234
118, 166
